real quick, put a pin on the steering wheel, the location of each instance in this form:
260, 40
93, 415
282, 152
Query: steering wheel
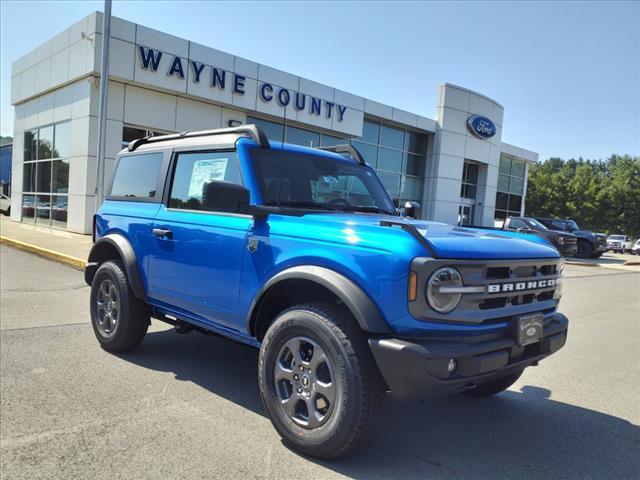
338, 202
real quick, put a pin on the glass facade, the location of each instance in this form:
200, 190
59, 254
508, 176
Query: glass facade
469, 187
511, 178
45, 183
398, 155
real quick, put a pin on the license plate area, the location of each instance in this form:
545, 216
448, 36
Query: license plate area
529, 329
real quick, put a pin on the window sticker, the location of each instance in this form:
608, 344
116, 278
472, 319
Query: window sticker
206, 171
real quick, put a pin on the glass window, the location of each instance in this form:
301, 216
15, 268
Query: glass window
390, 160
330, 141
517, 168
370, 132
194, 170
272, 130
43, 177
392, 137
29, 177
43, 209
516, 186
129, 134
468, 190
59, 208
515, 201
28, 207
505, 165
368, 152
411, 188
303, 137
30, 145
45, 142
502, 201
62, 140
416, 143
137, 176
414, 165
500, 215
391, 183
503, 183
517, 223
60, 176
470, 173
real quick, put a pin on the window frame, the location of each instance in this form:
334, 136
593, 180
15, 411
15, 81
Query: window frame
160, 184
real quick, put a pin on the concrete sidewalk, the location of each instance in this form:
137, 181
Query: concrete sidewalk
69, 248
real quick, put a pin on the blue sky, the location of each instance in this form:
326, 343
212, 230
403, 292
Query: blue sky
568, 74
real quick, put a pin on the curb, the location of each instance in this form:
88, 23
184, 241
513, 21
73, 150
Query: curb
68, 260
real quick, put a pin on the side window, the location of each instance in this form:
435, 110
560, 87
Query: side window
194, 170
137, 176
517, 223
558, 225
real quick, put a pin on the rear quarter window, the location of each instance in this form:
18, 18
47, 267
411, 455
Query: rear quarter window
136, 176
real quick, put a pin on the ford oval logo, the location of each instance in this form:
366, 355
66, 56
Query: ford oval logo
481, 126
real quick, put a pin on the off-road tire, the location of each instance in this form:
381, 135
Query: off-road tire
132, 316
597, 254
494, 387
360, 390
584, 249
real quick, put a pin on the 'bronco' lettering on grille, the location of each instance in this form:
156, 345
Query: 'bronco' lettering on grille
520, 286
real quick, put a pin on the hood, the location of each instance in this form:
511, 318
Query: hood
449, 241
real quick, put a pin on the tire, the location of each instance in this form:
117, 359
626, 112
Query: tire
119, 319
343, 419
597, 254
496, 386
584, 249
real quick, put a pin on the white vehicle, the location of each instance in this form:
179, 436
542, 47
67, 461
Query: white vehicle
636, 248
619, 243
5, 204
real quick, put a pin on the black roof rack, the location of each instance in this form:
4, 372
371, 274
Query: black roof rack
346, 149
251, 130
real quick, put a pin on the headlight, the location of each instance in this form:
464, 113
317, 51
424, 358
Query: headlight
561, 239
441, 289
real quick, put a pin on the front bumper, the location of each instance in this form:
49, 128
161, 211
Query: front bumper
418, 369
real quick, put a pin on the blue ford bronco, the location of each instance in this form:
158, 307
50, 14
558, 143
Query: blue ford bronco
301, 253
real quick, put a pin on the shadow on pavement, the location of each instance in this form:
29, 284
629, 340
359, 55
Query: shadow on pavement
521, 435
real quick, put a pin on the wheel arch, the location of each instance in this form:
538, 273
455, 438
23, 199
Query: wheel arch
115, 247
308, 283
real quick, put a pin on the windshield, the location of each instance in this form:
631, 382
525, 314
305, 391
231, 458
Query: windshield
572, 225
533, 223
616, 237
318, 182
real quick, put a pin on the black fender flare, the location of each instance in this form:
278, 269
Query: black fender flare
127, 255
355, 299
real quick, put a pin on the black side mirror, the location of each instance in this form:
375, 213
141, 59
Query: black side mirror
411, 209
225, 197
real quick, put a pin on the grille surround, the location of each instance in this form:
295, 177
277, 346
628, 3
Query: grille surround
474, 274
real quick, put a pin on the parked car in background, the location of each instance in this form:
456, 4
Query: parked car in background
590, 244
619, 243
566, 243
5, 204
635, 250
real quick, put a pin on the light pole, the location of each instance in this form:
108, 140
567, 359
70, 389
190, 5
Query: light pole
102, 109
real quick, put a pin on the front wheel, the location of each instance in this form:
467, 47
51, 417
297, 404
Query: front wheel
584, 249
494, 387
318, 380
120, 320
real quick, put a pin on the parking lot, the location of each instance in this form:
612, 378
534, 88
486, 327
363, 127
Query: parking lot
188, 406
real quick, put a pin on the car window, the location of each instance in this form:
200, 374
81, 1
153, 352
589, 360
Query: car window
559, 225
517, 223
194, 170
137, 176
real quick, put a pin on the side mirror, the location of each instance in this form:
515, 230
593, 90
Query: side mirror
411, 209
229, 197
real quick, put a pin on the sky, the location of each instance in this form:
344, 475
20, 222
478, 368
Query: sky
567, 73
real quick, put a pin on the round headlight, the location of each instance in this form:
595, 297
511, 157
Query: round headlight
438, 296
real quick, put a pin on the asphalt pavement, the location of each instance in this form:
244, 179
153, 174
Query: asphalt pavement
187, 406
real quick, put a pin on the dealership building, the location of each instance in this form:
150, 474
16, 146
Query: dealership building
455, 165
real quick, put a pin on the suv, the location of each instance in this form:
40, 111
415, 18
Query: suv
566, 243
619, 243
301, 253
590, 244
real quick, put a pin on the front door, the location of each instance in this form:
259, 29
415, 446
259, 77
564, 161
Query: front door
196, 255
465, 215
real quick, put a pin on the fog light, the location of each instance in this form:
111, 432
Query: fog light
451, 366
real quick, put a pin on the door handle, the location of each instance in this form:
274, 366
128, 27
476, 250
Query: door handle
162, 233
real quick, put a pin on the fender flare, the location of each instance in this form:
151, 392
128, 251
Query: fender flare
127, 255
365, 311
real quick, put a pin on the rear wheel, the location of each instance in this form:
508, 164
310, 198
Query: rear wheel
584, 249
496, 386
119, 319
318, 380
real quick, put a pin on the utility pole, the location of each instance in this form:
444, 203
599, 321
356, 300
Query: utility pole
102, 110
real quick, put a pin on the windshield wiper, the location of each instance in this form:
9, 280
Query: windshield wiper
364, 208
294, 204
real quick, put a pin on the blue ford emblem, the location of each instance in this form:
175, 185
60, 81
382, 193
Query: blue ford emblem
481, 126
